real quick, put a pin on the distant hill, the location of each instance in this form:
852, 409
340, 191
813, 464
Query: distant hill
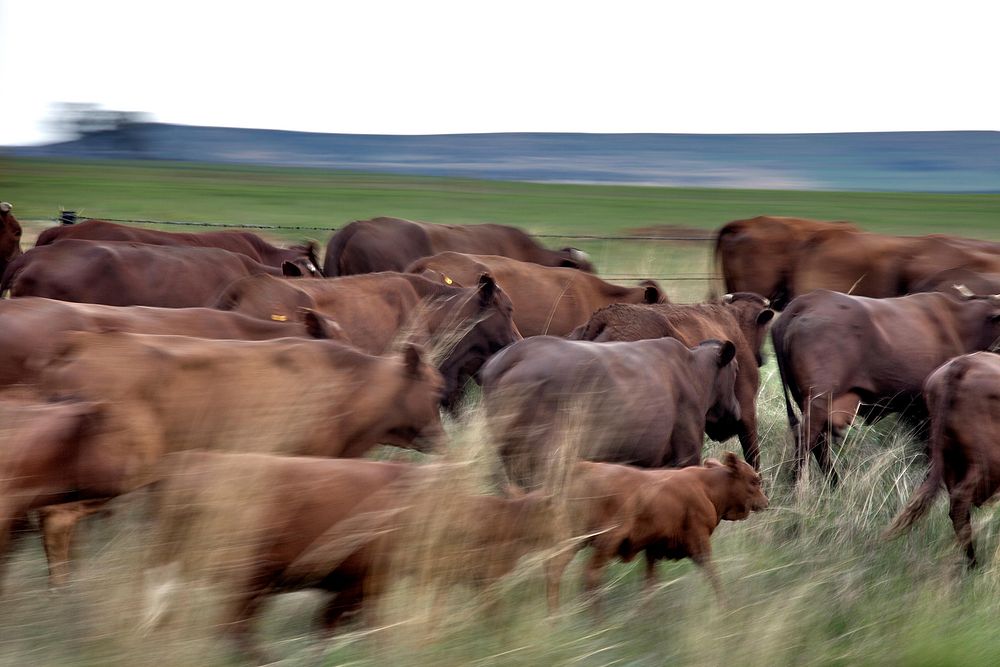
903, 161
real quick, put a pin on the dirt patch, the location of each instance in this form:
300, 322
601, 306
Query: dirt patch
673, 232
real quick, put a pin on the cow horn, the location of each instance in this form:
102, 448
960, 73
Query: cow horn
963, 290
727, 298
578, 255
5, 206
767, 303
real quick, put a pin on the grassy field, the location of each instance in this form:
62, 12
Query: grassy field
808, 581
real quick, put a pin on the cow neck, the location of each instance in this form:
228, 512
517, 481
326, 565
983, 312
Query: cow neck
706, 361
714, 480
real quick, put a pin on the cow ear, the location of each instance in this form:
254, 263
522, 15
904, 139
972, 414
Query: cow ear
764, 316
412, 358
291, 269
487, 289
731, 461
726, 353
653, 293
319, 326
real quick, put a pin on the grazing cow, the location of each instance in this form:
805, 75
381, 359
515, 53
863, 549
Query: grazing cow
742, 318
10, 237
353, 527
128, 274
374, 309
240, 242
963, 398
759, 254
34, 468
547, 300
291, 396
841, 355
666, 514
30, 328
643, 402
392, 244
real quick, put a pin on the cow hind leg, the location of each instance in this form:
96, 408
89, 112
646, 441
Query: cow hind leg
961, 514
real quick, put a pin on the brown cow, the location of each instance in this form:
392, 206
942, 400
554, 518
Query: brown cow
241, 242
759, 254
643, 402
842, 355
128, 274
351, 528
666, 514
10, 237
164, 393
375, 309
880, 266
960, 282
392, 244
963, 398
31, 326
742, 318
547, 300
34, 441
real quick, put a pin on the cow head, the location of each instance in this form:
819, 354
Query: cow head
415, 420
265, 297
754, 314
574, 258
490, 313
985, 313
743, 490
302, 261
10, 236
719, 356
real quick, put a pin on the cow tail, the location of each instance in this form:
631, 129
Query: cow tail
780, 356
925, 494
11, 273
335, 250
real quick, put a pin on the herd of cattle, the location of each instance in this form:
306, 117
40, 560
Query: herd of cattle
133, 358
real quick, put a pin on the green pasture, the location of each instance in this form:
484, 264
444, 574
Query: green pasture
808, 582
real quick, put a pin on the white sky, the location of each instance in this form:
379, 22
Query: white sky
426, 66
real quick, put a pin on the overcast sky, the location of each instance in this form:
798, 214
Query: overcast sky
422, 66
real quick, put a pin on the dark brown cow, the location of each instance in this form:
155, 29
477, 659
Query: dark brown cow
164, 393
375, 309
30, 328
742, 318
241, 242
841, 355
392, 244
128, 274
352, 528
759, 254
960, 282
10, 237
963, 398
645, 402
547, 300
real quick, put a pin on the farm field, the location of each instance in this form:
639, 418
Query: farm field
808, 582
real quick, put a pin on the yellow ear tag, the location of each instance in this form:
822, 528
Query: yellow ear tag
279, 318
448, 281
